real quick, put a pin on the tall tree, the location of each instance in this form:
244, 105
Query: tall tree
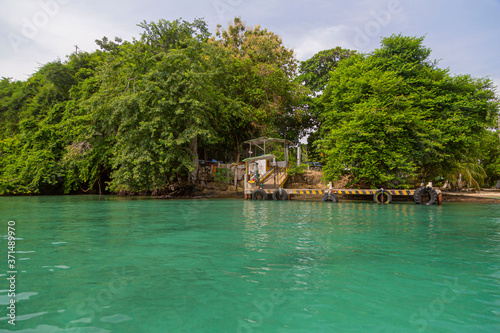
257, 82
314, 74
394, 118
159, 124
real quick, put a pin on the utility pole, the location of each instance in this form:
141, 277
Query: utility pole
76, 49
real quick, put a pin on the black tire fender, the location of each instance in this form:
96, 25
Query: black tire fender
378, 195
280, 194
330, 197
433, 195
417, 196
256, 193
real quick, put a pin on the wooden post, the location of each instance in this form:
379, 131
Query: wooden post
299, 156
286, 155
235, 177
193, 147
245, 182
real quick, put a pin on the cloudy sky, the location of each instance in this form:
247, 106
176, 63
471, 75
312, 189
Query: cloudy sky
463, 35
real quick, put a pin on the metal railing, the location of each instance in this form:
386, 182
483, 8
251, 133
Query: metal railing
281, 176
267, 175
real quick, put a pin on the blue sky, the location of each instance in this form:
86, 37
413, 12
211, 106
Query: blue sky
463, 35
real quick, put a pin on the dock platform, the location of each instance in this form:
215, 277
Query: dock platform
422, 195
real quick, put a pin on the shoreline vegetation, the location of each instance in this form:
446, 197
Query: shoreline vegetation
308, 180
141, 117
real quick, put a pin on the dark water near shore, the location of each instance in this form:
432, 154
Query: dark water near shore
110, 264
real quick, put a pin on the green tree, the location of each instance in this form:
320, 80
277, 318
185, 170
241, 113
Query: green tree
164, 35
29, 160
258, 45
256, 83
12, 101
489, 149
158, 124
45, 114
88, 142
132, 116
314, 74
393, 118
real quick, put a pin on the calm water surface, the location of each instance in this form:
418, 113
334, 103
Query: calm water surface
108, 264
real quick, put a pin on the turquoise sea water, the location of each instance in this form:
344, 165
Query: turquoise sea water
110, 264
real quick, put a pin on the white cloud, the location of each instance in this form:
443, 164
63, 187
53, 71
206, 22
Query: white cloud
37, 35
322, 39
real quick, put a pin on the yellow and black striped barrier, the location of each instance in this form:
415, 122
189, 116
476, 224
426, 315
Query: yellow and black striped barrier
290, 191
347, 192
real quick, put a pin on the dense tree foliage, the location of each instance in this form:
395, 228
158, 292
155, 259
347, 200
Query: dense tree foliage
260, 94
314, 74
393, 118
135, 116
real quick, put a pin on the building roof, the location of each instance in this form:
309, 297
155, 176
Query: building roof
263, 140
261, 157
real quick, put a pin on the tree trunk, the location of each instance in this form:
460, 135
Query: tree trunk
237, 154
236, 176
194, 153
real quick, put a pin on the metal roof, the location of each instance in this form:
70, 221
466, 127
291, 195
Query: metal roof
261, 157
263, 140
